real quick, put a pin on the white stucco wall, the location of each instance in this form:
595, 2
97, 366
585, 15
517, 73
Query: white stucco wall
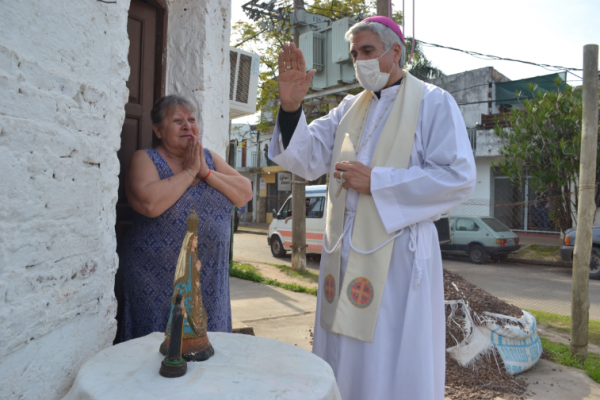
198, 64
480, 202
63, 68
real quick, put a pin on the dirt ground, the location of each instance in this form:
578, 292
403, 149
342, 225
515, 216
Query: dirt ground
486, 378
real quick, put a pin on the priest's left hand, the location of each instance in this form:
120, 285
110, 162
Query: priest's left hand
356, 175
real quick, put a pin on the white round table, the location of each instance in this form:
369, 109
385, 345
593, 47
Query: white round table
243, 367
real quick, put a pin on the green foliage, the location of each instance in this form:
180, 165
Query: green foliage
539, 252
544, 143
251, 273
308, 275
269, 43
561, 354
562, 324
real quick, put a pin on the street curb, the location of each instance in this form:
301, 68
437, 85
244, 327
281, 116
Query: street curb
562, 264
253, 231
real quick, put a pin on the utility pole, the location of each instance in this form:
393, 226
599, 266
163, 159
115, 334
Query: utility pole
580, 304
298, 191
384, 8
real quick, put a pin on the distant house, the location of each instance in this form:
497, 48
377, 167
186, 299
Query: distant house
79, 79
483, 96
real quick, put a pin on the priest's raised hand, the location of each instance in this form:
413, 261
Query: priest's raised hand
293, 78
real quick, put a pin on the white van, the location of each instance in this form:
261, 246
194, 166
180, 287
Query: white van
280, 230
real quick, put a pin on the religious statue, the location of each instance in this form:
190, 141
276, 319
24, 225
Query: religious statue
173, 366
195, 346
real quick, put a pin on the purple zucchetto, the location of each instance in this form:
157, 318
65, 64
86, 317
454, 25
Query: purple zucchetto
390, 23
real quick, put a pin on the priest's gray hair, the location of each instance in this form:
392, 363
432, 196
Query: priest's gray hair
387, 36
167, 104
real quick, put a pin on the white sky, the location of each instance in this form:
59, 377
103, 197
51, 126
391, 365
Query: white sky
541, 31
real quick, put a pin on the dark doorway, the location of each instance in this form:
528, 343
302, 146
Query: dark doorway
146, 27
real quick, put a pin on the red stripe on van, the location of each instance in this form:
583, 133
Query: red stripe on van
315, 247
309, 235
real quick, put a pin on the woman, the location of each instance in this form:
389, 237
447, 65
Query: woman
162, 186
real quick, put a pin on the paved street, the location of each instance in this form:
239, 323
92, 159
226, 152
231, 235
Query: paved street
526, 286
254, 248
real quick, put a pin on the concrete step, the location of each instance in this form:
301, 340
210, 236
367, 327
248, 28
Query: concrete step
240, 327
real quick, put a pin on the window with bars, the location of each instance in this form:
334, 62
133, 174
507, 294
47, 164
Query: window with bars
233, 62
243, 82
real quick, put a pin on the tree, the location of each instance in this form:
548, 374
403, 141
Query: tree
544, 143
269, 42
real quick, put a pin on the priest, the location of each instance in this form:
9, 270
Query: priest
399, 156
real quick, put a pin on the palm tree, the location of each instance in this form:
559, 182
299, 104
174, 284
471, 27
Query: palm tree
420, 66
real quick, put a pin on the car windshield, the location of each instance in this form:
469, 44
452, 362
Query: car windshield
496, 225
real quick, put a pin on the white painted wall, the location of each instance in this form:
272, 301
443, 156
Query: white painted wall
198, 64
480, 202
63, 68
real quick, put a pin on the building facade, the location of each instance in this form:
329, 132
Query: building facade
271, 184
483, 96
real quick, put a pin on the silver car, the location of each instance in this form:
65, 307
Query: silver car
480, 238
566, 251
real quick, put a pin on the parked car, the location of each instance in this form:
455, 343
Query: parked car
566, 251
480, 238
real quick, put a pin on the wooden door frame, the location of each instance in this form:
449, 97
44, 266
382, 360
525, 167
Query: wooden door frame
160, 69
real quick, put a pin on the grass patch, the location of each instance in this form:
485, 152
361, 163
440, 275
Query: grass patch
308, 275
538, 252
561, 354
251, 273
562, 324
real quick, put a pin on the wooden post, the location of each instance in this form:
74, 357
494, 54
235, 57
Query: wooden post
298, 195
384, 8
580, 304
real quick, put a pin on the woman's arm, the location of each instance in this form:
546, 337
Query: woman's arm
228, 181
151, 196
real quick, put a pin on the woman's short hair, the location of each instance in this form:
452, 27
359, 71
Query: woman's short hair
387, 36
167, 104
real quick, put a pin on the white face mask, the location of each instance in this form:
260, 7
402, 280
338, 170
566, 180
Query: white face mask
370, 76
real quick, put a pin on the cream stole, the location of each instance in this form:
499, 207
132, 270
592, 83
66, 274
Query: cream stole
352, 308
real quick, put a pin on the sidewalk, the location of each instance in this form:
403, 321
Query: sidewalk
254, 227
289, 317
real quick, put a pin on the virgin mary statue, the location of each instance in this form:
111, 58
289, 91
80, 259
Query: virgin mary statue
195, 346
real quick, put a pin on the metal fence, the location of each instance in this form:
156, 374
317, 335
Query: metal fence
508, 207
541, 287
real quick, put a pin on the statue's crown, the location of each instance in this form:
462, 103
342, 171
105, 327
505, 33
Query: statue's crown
192, 221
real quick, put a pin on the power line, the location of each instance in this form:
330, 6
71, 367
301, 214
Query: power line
251, 37
491, 57
488, 83
495, 101
552, 68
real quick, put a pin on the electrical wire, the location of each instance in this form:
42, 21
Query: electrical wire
251, 37
487, 84
495, 101
552, 68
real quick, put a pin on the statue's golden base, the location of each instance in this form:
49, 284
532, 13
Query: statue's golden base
193, 349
